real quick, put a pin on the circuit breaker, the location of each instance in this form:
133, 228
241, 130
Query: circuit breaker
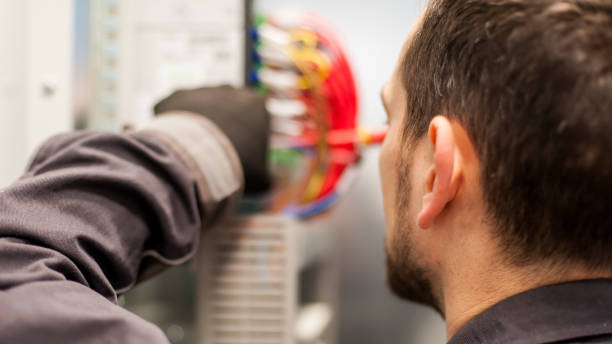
142, 50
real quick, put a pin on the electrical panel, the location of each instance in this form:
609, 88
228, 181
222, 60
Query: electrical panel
142, 50
251, 273
248, 282
267, 279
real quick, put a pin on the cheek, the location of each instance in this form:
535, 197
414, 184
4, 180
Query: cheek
388, 174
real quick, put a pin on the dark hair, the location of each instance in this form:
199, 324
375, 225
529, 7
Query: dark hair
531, 81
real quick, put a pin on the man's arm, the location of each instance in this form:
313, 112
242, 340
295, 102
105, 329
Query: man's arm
94, 214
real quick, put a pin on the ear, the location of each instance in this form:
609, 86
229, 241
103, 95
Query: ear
442, 180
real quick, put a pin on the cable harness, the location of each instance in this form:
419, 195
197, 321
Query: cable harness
312, 97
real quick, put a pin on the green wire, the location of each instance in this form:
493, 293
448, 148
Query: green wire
284, 157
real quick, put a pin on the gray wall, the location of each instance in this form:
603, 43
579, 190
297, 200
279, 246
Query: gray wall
373, 32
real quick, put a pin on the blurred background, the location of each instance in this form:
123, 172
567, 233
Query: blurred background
103, 64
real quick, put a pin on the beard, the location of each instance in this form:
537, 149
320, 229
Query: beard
407, 274
410, 281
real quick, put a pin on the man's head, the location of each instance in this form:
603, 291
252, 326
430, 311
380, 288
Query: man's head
499, 145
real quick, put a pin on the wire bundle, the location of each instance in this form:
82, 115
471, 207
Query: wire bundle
312, 98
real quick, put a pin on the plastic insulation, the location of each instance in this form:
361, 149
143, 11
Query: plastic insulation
341, 137
316, 207
329, 142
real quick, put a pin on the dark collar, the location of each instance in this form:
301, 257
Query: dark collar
544, 315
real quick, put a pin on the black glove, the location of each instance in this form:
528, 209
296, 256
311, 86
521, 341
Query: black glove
241, 114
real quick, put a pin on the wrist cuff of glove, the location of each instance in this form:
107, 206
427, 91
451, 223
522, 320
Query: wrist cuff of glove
207, 153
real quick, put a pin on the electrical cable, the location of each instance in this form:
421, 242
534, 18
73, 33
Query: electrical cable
302, 68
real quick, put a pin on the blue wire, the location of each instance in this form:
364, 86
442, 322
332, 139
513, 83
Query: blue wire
316, 207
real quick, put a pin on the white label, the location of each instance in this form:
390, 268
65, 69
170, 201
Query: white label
178, 44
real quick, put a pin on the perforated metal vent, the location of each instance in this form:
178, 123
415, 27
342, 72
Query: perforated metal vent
248, 285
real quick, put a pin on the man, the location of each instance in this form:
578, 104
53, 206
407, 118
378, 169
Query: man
496, 182
497, 173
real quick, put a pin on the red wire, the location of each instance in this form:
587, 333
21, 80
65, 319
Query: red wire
340, 90
342, 104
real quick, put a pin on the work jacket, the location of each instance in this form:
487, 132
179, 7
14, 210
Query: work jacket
97, 212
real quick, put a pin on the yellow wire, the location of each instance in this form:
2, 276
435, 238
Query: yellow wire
304, 57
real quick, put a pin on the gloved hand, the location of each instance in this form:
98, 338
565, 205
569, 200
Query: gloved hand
241, 114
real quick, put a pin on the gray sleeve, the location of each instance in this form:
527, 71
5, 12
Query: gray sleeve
97, 212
